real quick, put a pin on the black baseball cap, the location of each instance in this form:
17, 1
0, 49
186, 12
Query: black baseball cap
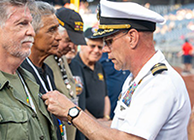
89, 33
73, 23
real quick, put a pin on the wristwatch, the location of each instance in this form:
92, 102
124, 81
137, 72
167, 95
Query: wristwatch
73, 113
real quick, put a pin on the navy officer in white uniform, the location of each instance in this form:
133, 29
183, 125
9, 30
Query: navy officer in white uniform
154, 102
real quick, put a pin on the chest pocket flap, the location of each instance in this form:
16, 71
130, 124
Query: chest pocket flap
121, 110
13, 123
12, 114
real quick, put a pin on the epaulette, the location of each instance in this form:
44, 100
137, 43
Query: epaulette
158, 68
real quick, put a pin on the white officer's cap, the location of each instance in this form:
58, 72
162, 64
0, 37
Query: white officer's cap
115, 16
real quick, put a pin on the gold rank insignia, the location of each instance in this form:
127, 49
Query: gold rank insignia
158, 68
100, 77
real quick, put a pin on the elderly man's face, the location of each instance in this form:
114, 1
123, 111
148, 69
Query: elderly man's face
73, 49
17, 34
64, 44
93, 50
47, 38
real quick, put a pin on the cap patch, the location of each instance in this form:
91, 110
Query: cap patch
103, 32
158, 68
61, 22
94, 30
78, 26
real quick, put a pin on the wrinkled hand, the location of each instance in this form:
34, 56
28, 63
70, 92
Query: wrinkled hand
58, 104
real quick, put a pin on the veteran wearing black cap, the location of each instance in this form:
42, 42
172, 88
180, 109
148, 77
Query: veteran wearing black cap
73, 24
93, 75
154, 102
71, 31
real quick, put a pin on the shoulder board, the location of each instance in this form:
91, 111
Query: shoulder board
158, 68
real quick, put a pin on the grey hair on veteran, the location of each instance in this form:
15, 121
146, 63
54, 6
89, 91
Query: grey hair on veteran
42, 9
61, 29
5, 8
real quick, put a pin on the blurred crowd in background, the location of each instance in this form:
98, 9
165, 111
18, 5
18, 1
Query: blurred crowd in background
168, 37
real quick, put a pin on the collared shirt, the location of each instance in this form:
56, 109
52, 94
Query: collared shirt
159, 108
17, 119
95, 86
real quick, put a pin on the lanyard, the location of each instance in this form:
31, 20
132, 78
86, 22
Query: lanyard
60, 63
46, 90
29, 98
39, 77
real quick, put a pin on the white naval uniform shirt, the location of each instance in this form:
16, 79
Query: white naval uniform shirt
160, 105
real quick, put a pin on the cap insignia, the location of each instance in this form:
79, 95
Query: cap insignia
94, 30
103, 32
78, 26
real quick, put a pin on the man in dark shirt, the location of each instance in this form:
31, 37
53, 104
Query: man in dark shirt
97, 102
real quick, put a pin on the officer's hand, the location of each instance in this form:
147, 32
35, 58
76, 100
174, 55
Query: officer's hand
58, 104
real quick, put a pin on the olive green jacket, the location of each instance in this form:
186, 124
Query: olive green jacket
18, 121
50, 61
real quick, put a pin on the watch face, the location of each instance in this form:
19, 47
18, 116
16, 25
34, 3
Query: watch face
73, 112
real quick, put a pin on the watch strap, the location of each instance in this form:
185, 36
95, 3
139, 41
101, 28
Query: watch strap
70, 118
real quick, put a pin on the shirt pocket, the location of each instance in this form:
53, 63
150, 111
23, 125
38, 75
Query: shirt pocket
121, 110
13, 123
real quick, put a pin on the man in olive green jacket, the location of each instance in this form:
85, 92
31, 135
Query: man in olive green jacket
23, 114
18, 120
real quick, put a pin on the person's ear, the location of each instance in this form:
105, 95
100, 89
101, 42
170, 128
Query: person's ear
133, 37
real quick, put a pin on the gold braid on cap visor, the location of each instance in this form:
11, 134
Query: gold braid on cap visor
120, 26
103, 32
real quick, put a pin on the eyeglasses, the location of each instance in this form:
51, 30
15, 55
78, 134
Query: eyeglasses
93, 46
109, 41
